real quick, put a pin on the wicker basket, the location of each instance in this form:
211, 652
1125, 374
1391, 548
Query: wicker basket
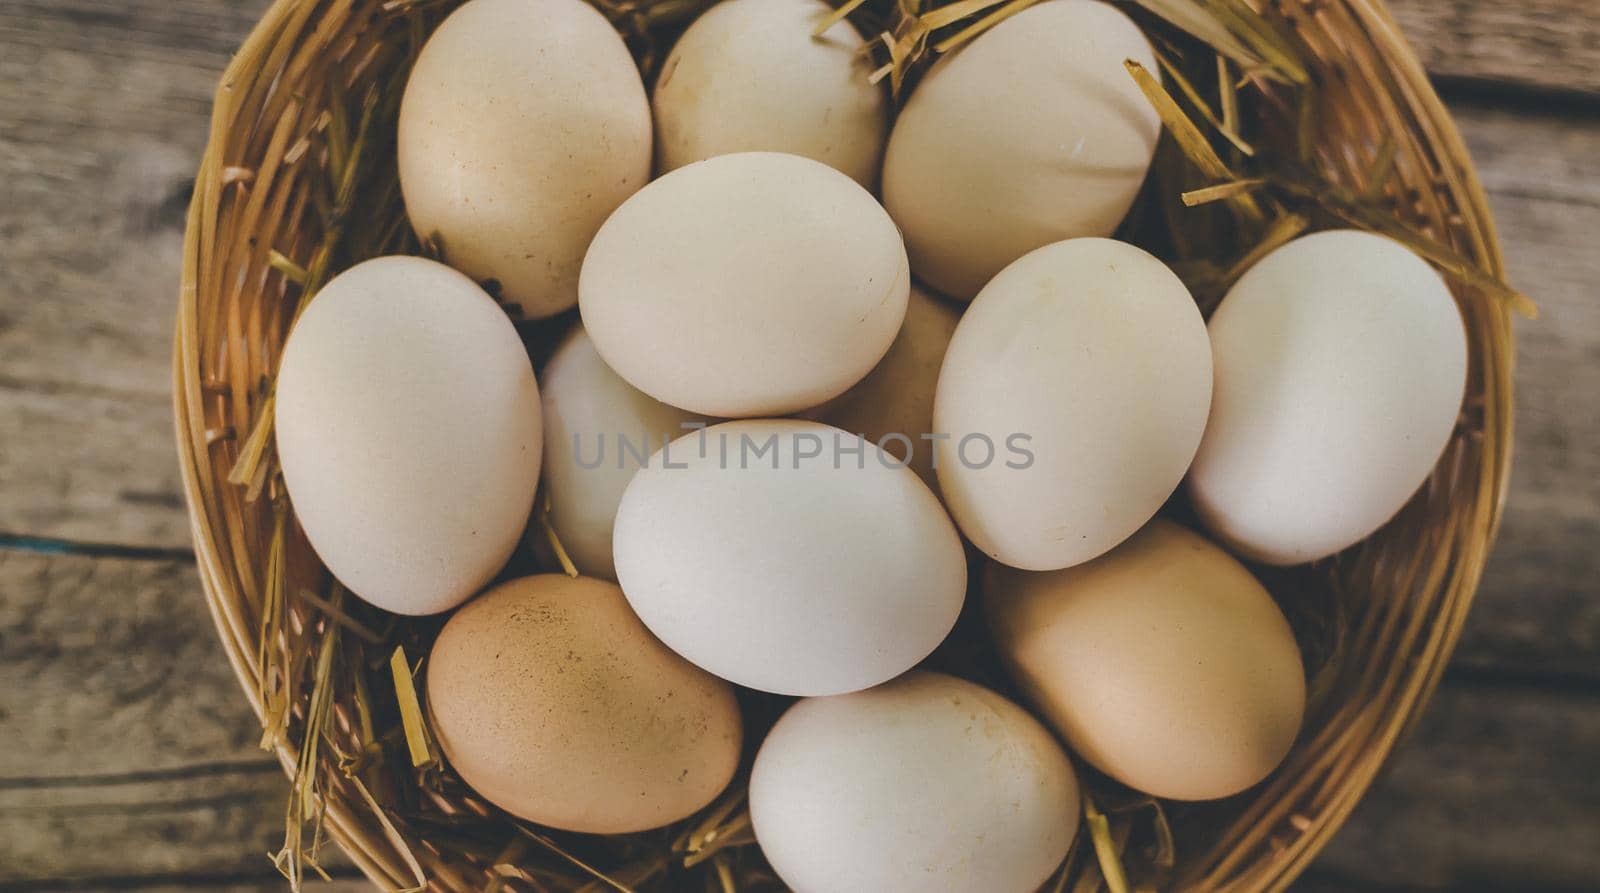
299, 100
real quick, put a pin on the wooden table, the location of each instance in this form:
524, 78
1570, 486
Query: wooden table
127, 759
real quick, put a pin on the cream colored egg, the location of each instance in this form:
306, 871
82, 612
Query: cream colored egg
1073, 394
599, 430
748, 76
523, 125
1032, 133
925, 783
551, 700
1163, 663
1341, 363
789, 557
750, 284
408, 428
893, 405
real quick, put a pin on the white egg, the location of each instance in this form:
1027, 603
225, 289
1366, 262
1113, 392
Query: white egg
1341, 363
748, 76
926, 783
1031, 134
893, 405
789, 557
523, 125
598, 431
750, 284
1073, 394
408, 428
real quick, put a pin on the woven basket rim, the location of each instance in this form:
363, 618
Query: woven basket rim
376, 850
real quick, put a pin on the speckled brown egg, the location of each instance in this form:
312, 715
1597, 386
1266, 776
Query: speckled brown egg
553, 701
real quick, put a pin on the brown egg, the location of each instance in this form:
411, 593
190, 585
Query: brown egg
893, 405
551, 700
1163, 662
523, 125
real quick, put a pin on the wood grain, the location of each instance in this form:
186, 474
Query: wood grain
220, 825
1537, 611
128, 750
131, 757
1538, 44
96, 653
89, 466
103, 114
1488, 794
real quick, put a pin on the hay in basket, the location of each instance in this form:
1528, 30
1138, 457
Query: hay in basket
1283, 116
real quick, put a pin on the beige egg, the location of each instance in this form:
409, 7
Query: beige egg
523, 125
893, 405
1341, 363
1032, 133
599, 430
748, 76
408, 427
1074, 395
1163, 663
551, 700
925, 783
789, 557
750, 284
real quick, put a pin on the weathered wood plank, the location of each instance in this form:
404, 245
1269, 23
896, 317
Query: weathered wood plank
1542, 44
103, 114
1495, 791
210, 824
1537, 609
111, 665
89, 466
130, 753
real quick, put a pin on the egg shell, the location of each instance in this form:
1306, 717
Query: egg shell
757, 283
1090, 356
551, 700
766, 556
896, 397
523, 125
407, 423
925, 783
1032, 133
1341, 364
748, 76
1163, 663
599, 430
